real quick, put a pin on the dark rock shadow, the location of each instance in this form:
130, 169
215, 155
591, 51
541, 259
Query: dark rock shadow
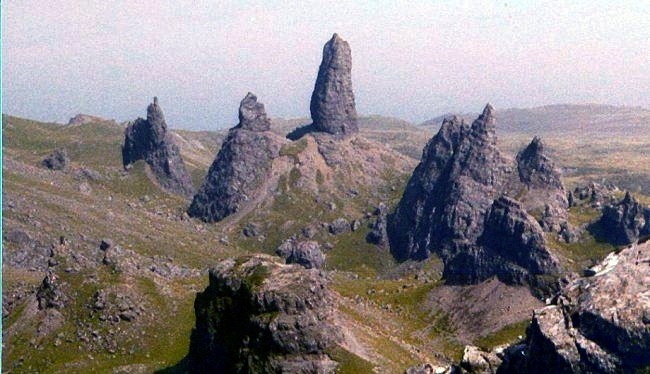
182, 367
299, 132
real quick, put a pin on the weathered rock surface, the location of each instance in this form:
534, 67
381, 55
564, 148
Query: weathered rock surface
378, 234
49, 294
259, 315
241, 167
332, 102
307, 254
625, 221
82, 119
477, 361
57, 160
339, 226
456, 205
598, 324
149, 140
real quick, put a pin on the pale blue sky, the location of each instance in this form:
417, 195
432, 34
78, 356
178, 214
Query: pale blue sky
412, 60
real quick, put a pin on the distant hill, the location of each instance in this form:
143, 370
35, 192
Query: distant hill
565, 118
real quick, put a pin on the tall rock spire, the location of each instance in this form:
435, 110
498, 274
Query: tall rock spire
241, 167
252, 115
148, 140
332, 102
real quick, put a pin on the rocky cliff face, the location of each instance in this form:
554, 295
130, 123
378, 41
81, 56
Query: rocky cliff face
587, 329
241, 166
625, 221
258, 315
452, 206
332, 102
148, 140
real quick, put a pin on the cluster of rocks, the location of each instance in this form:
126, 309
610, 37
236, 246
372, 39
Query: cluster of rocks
586, 330
57, 160
378, 234
149, 140
259, 315
306, 253
626, 221
459, 203
241, 167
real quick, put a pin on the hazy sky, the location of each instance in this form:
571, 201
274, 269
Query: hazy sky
412, 60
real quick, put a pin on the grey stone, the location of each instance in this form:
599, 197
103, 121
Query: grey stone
339, 226
332, 102
57, 160
259, 315
149, 140
241, 167
305, 253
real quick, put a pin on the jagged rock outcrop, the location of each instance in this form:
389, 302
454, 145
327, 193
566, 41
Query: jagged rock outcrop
625, 221
449, 206
149, 140
305, 253
597, 325
49, 294
332, 102
259, 315
57, 160
241, 167
82, 119
513, 245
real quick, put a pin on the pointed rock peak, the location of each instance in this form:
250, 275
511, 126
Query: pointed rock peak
628, 198
332, 104
485, 125
155, 114
252, 115
536, 147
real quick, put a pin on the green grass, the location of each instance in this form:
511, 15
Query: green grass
349, 363
505, 335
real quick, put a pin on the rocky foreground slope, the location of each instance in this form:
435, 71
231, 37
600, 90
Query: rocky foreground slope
598, 324
258, 315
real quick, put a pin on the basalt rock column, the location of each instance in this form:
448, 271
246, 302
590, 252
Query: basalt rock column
241, 166
332, 102
148, 140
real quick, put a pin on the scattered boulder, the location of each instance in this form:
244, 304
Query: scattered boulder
251, 230
625, 221
476, 361
50, 294
339, 226
586, 330
308, 254
259, 315
149, 140
332, 102
57, 160
106, 244
378, 234
241, 167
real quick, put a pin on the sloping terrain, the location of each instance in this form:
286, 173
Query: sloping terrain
129, 307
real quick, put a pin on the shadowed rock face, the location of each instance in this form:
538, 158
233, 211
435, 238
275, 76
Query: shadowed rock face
149, 140
241, 166
450, 191
332, 102
625, 221
452, 207
57, 160
587, 330
536, 170
258, 315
